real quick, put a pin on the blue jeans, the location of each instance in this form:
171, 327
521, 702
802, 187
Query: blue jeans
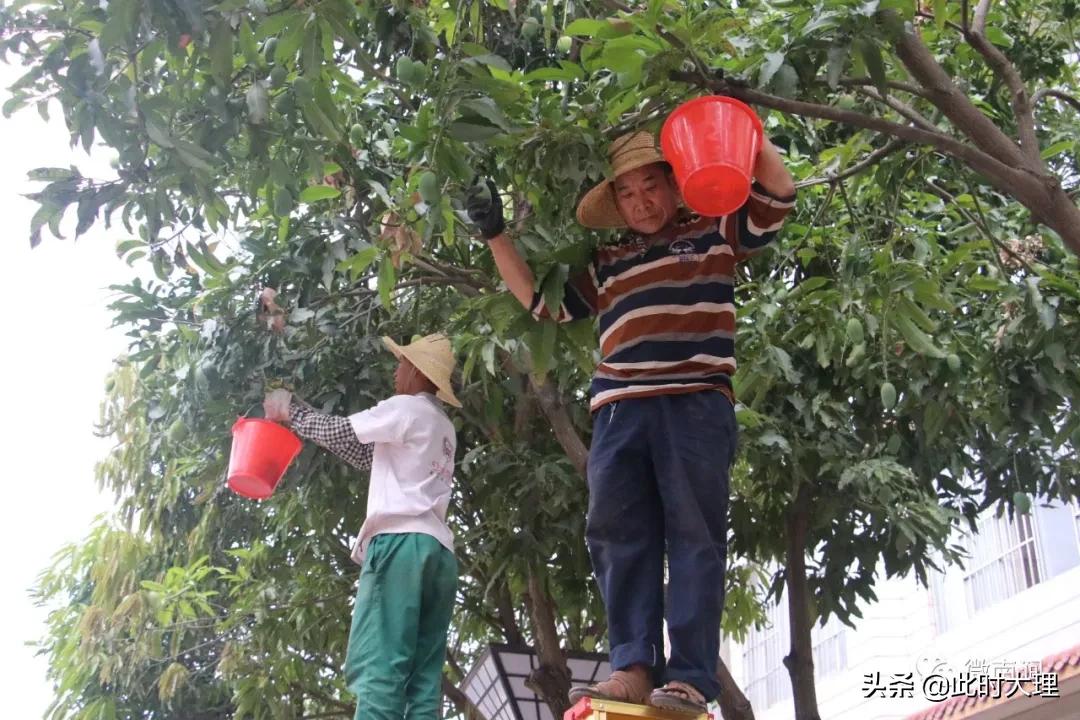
658, 479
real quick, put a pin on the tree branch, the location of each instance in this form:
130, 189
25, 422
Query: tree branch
1005, 177
979, 224
956, 105
460, 699
551, 404
902, 108
1003, 68
551, 679
872, 159
1051, 92
895, 85
930, 16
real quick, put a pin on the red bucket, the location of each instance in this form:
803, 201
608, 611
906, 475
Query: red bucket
261, 451
712, 144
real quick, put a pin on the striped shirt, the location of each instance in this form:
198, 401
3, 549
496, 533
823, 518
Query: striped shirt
666, 303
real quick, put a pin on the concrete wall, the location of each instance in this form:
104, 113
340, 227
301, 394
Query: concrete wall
902, 633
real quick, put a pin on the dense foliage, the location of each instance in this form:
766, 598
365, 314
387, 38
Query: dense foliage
907, 353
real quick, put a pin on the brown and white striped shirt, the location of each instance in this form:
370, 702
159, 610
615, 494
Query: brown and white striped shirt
666, 303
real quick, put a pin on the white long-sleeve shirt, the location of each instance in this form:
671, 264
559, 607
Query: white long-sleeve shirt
409, 443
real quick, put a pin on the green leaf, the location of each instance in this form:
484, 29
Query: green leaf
486, 108
553, 288
194, 156
471, 132
44, 174
837, 60
311, 56
1057, 148
247, 43
914, 313
786, 81
387, 280
314, 193
491, 60
585, 27
773, 61
986, 284
221, 52
359, 262
875, 65
916, 339
158, 135
566, 72
941, 13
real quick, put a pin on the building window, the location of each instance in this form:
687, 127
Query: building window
1004, 560
766, 680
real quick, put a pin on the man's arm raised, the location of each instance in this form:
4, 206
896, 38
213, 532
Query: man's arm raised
514, 270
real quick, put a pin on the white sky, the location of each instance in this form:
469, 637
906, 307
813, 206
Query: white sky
55, 351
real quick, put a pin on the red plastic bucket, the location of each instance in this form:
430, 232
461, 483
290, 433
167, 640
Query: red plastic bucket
712, 144
261, 451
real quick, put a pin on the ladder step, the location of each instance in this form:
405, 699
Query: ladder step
595, 709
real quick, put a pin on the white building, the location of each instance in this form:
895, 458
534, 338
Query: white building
1013, 611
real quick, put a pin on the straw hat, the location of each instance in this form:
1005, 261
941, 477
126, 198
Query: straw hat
433, 357
628, 152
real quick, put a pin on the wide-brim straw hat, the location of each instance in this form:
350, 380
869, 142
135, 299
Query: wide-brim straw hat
432, 356
628, 152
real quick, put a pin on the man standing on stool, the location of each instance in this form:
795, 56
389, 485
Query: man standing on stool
664, 429
397, 644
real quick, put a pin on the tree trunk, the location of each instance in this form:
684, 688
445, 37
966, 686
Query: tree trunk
507, 619
734, 705
460, 700
551, 404
551, 680
800, 658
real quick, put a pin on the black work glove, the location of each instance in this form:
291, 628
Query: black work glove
485, 208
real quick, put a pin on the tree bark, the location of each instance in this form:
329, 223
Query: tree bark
551, 404
734, 705
800, 658
507, 618
551, 680
954, 104
460, 700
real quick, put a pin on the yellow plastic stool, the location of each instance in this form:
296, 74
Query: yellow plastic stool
594, 709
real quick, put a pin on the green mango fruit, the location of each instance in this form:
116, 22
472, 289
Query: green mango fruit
854, 331
177, 431
954, 362
356, 135
286, 103
278, 75
269, 49
409, 71
888, 395
1022, 502
302, 86
429, 187
564, 44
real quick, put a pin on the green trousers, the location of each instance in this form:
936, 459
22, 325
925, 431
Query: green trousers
397, 644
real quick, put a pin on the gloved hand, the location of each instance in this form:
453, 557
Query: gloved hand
485, 208
276, 405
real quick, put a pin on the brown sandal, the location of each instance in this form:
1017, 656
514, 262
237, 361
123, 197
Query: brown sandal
680, 697
622, 686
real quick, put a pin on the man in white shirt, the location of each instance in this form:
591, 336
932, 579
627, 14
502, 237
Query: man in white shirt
405, 600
